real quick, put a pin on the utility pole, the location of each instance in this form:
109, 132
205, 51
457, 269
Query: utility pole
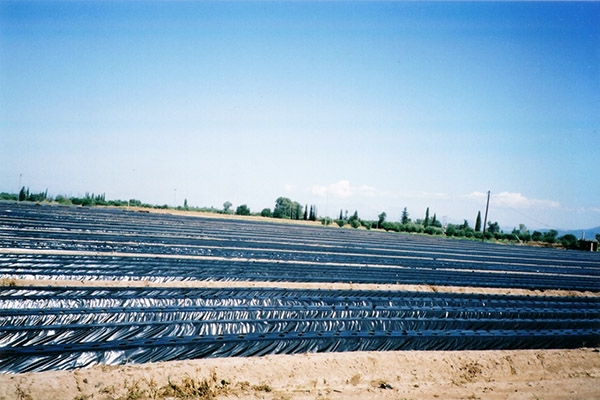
485, 218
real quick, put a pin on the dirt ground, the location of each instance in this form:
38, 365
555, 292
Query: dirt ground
524, 374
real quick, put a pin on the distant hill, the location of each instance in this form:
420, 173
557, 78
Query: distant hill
590, 234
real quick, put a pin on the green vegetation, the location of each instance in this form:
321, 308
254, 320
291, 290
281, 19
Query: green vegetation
286, 208
242, 210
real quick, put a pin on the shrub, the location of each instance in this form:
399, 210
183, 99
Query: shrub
390, 226
431, 230
537, 236
326, 221
569, 241
60, 199
511, 236
525, 236
450, 230
550, 236
266, 212
242, 210
354, 223
8, 196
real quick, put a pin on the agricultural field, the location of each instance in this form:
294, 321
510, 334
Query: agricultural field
85, 287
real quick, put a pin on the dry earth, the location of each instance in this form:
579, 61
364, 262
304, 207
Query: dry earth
525, 374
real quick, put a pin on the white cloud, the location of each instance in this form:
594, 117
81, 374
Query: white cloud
289, 188
341, 189
344, 189
514, 200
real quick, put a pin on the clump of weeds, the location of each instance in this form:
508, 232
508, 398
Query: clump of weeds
263, 388
189, 388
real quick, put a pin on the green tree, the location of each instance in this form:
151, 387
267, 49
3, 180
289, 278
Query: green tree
226, 206
306, 212
23, 194
185, 204
266, 212
381, 219
313, 213
242, 210
478, 222
550, 236
426, 222
405, 220
493, 227
298, 210
569, 241
537, 236
451, 230
341, 214
283, 208
523, 233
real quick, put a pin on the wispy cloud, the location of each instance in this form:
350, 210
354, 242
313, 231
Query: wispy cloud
344, 189
514, 200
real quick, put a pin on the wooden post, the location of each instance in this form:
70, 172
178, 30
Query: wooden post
485, 219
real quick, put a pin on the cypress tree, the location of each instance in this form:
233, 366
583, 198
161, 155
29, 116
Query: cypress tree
426, 222
478, 222
405, 218
306, 212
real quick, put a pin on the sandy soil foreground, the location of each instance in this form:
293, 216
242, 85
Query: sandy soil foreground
525, 374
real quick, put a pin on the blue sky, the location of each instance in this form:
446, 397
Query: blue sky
363, 106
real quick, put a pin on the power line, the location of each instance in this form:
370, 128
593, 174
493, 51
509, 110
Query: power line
528, 217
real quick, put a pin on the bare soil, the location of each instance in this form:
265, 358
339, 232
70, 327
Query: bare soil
524, 374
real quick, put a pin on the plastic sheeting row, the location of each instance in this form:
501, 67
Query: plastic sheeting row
156, 244
100, 221
39, 358
53, 328
166, 269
